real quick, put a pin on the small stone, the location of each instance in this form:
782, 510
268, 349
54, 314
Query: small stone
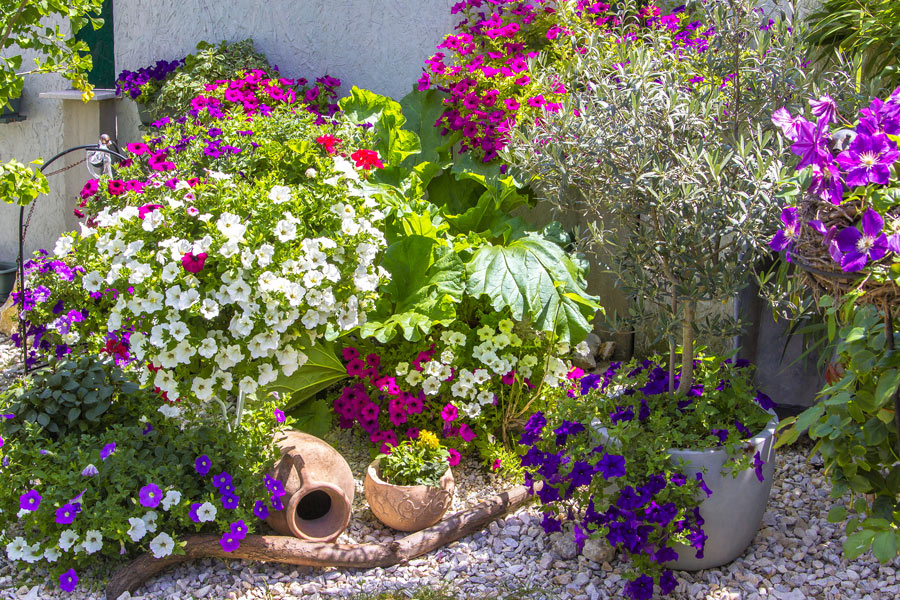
124, 596
598, 550
563, 579
581, 579
203, 592
564, 545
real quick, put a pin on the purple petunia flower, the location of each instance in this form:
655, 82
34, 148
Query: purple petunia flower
667, 581
107, 451
30, 500
193, 512
640, 589
202, 465
277, 504
764, 401
239, 529
611, 465
894, 243
581, 537
221, 479
860, 248
89, 471
68, 580
703, 485
150, 495
533, 429
550, 524
66, 513
582, 474
261, 510
230, 542
868, 159
279, 415
758, 463
230, 501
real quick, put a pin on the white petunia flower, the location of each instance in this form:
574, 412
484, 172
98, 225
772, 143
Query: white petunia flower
32, 553
402, 369
150, 520
279, 194
162, 545
209, 309
51, 554
285, 231
248, 385
414, 378
67, 539
311, 319
431, 386
178, 330
63, 245
267, 374
138, 529
172, 498
16, 549
206, 512
264, 254
93, 541
92, 281
151, 221
170, 272
232, 227
169, 410
208, 348
202, 388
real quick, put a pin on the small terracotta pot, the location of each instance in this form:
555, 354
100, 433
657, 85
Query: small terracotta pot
319, 489
407, 507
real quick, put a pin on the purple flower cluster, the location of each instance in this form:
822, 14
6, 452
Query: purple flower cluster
839, 170
633, 520
130, 82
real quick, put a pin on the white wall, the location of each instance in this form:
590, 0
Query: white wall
380, 45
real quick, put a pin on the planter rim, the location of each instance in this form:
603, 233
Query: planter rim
767, 432
7, 267
374, 471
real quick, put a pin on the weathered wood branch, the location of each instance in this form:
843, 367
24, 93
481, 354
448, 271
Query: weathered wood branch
290, 550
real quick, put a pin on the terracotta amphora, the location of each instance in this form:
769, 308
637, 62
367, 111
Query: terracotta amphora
319, 489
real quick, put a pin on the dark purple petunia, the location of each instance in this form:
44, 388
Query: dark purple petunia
566, 429
667, 582
230, 542
640, 589
611, 465
665, 554
703, 485
742, 429
533, 429
860, 248
625, 413
722, 434
202, 464
582, 474
261, 510
868, 159
764, 401
758, 463
548, 494
550, 524
581, 537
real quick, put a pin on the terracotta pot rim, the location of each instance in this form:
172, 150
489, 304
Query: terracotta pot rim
374, 471
330, 489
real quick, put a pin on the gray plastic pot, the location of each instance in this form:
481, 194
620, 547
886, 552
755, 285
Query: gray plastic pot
7, 279
735, 510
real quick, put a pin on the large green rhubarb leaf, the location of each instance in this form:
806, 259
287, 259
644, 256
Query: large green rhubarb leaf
537, 281
427, 282
321, 370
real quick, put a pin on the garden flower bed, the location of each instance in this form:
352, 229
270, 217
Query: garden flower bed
796, 554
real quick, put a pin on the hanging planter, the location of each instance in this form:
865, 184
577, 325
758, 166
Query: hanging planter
7, 279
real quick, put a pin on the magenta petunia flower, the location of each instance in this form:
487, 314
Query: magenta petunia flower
30, 500
68, 580
193, 263
138, 148
860, 248
144, 210
454, 457
279, 415
90, 188
449, 413
150, 495
868, 159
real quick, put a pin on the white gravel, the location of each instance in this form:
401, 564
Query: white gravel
796, 555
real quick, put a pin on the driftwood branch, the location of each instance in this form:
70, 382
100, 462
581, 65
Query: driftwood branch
290, 550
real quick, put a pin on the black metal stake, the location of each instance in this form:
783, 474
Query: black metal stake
22, 337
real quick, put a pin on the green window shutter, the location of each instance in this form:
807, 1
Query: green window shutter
102, 45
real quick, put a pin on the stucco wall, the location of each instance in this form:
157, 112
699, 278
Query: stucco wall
378, 45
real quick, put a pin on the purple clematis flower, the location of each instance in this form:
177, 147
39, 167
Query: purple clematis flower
824, 108
787, 123
894, 243
868, 159
784, 238
827, 183
860, 248
811, 144
880, 117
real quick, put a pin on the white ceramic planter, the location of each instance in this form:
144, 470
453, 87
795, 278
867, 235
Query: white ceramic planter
735, 510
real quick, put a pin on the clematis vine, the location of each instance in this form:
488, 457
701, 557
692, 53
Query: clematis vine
785, 238
868, 159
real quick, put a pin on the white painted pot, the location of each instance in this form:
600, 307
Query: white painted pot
735, 510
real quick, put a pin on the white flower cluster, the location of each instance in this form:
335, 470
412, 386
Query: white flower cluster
499, 352
240, 328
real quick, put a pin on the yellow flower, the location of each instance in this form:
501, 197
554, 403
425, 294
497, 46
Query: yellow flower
428, 439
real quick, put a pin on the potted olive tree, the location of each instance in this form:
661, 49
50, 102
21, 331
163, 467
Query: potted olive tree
665, 150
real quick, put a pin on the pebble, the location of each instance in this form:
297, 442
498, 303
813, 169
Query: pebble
796, 554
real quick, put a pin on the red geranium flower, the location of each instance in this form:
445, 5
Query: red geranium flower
328, 142
367, 159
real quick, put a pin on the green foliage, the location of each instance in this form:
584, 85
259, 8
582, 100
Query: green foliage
210, 63
68, 396
855, 431
24, 25
865, 31
536, 281
422, 461
670, 158
20, 184
149, 449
